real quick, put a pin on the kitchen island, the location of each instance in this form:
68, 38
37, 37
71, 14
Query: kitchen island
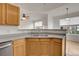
49, 43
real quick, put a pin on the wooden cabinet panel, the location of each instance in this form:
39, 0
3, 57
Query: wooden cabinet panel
9, 14
2, 13
33, 47
56, 47
51, 47
44, 47
37, 47
19, 50
12, 13
19, 47
64, 47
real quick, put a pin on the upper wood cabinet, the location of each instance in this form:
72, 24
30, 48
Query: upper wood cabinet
12, 13
2, 14
9, 14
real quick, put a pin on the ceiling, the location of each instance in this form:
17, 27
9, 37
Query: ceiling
38, 11
61, 12
57, 10
40, 7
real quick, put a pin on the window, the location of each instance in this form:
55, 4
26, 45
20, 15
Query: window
77, 28
38, 25
73, 29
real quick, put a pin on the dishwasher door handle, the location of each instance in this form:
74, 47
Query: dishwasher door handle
4, 46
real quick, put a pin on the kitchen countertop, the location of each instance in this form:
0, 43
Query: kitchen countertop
73, 37
14, 36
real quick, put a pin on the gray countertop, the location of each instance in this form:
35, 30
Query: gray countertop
73, 37
13, 36
42, 29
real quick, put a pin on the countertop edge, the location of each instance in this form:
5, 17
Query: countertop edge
24, 35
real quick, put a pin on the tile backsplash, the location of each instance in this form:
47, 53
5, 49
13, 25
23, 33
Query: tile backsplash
8, 29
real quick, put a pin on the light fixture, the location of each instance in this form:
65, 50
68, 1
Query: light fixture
23, 16
67, 16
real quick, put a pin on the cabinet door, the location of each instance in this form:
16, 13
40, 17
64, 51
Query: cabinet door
19, 47
33, 47
2, 13
56, 47
44, 47
51, 47
12, 14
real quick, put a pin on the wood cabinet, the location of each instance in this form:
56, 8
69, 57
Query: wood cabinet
9, 14
2, 13
56, 47
38, 47
32, 47
12, 13
19, 47
43, 47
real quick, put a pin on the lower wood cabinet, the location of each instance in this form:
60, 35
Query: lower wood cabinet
38, 47
19, 47
43, 47
32, 47
56, 47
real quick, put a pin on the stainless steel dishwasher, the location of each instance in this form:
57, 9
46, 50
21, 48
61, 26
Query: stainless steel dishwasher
6, 49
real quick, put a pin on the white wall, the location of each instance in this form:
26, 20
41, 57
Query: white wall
8, 29
45, 22
28, 24
53, 23
56, 24
50, 21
